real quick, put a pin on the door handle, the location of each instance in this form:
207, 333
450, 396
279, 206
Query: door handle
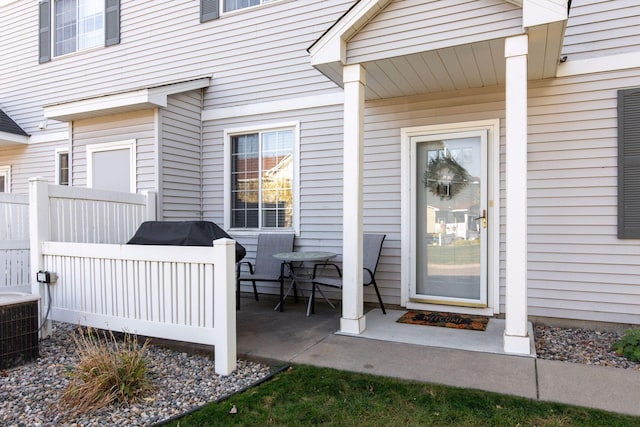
483, 218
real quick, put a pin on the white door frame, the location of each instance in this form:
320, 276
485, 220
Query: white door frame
493, 204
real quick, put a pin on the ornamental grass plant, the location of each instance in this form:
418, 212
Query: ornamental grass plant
108, 371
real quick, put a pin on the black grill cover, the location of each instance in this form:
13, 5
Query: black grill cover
182, 233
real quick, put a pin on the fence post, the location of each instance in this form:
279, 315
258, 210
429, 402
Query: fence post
151, 209
39, 232
224, 309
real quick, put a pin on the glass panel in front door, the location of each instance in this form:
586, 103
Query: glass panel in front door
451, 219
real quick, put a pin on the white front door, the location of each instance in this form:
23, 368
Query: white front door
449, 218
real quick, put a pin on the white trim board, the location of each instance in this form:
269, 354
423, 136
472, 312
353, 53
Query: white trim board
8, 138
315, 101
121, 102
623, 61
42, 137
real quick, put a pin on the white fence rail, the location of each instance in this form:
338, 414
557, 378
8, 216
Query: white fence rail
85, 215
14, 243
179, 293
184, 294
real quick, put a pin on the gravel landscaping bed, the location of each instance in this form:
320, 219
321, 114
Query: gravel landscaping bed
580, 346
29, 394
182, 381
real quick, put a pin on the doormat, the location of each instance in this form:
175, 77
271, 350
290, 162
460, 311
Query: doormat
446, 320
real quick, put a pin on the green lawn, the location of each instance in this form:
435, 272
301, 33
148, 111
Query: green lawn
468, 253
310, 396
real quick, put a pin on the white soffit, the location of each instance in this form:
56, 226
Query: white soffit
139, 99
7, 139
540, 12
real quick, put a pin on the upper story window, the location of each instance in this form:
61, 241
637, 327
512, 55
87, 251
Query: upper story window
72, 25
210, 9
231, 5
78, 24
262, 179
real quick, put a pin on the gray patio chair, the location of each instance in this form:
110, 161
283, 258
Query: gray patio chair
372, 247
265, 267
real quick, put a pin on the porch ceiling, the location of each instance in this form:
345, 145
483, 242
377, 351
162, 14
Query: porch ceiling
477, 64
456, 68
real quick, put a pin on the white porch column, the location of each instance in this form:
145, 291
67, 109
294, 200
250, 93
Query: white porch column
353, 320
516, 339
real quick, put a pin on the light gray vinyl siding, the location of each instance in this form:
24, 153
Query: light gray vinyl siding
254, 55
411, 26
180, 158
578, 268
320, 160
30, 161
600, 28
139, 125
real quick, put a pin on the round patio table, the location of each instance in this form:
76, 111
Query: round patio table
295, 262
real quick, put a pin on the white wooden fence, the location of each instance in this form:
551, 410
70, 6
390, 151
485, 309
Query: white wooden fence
179, 293
14, 243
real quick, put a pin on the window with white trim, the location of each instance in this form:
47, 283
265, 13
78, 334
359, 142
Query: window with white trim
5, 179
62, 167
231, 5
262, 178
67, 26
111, 166
78, 25
210, 9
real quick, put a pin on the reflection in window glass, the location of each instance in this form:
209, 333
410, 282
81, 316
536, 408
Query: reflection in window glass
79, 24
63, 168
230, 5
262, 180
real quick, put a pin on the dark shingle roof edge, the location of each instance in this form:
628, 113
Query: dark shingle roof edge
9, 126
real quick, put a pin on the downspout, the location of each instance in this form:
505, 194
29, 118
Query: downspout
157, 118
201, 173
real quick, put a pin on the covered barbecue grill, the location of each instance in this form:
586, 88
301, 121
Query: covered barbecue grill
182, 233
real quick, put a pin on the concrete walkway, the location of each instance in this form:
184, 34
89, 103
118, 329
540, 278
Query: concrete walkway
292, 337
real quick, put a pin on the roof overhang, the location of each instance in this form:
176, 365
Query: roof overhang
328, 53
139, 99
10, 132
543, 20
8, 138
542, 12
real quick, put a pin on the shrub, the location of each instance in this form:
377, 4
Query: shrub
629, 345
108, 371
